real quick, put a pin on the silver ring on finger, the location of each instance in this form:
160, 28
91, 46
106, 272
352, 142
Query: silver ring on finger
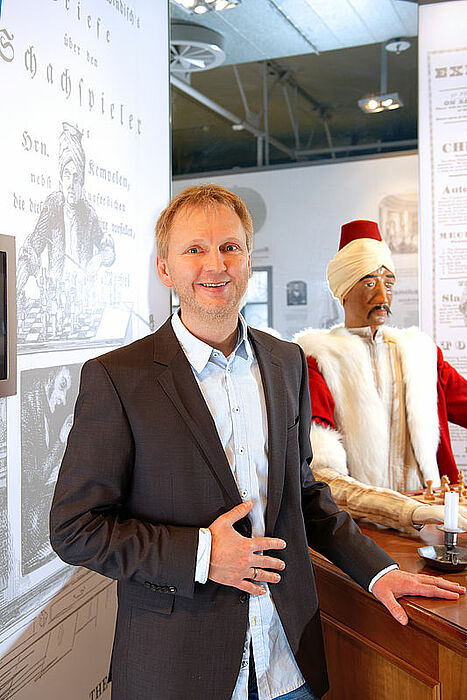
255, 573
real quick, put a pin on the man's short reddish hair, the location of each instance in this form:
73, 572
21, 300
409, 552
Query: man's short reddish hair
206, 196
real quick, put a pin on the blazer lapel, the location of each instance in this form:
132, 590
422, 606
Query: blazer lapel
276, 409
181, 387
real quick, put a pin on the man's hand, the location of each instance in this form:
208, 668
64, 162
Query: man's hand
397, 583
234, 558
435, 514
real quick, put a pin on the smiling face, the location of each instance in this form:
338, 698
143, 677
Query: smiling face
369, 301
208, 265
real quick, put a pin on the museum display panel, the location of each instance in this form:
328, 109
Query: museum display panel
85, 170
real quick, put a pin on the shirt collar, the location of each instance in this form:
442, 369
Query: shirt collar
199, 353
366, 333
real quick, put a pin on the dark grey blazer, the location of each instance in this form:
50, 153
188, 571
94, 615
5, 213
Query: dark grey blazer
144, 469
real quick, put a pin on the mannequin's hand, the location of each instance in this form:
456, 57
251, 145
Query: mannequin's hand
435, 514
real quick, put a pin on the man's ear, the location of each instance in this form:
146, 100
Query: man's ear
163, 272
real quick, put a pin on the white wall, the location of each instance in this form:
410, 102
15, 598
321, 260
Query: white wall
101, 68
298, 213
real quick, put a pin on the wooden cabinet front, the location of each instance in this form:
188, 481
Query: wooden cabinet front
371, 656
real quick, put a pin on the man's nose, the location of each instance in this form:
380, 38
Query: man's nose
215, 261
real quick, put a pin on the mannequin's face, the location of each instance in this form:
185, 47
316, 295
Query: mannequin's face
369, 301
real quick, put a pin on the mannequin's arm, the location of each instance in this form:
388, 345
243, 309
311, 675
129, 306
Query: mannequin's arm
382, 506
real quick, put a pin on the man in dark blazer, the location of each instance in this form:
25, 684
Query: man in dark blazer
146, 478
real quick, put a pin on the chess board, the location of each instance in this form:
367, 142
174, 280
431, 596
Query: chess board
439, 496
31, 329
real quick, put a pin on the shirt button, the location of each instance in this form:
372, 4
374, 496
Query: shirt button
241, 450
235, 409
215, 354
244, 493
243, 597
228, 370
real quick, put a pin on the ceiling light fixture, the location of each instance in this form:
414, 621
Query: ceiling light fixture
200, 7
378, 103
385, 100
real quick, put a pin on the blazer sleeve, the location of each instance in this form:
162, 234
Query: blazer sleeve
88, 524
331, 531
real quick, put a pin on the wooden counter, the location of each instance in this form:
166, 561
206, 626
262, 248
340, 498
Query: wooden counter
371, 656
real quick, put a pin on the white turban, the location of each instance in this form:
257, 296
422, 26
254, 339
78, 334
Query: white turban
356, 260
70, 148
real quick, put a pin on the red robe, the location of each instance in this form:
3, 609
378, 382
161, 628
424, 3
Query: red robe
452, 406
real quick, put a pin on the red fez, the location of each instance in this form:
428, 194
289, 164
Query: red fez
359, 229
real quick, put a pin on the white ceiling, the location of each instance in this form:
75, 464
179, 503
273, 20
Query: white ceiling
258, 30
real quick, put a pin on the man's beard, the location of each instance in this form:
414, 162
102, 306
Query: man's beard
190, 302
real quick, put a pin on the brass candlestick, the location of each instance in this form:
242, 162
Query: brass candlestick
447, 557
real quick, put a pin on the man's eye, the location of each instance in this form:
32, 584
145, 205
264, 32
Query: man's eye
229, 248
193, 249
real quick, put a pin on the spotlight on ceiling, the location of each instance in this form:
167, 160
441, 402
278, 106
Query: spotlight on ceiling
379, 103
385, 100
200, 7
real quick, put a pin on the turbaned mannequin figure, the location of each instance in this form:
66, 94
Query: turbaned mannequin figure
381, 396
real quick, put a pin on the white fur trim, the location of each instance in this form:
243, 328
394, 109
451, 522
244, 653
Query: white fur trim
328, 450
359, 414
418, 356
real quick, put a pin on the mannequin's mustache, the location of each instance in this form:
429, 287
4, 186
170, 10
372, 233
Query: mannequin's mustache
376, 308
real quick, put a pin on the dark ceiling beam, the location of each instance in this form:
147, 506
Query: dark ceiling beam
284, 74
228, 115
377, 145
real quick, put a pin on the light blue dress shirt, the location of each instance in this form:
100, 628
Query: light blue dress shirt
233, 391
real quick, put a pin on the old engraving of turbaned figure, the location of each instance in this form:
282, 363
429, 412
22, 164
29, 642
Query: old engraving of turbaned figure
61, 296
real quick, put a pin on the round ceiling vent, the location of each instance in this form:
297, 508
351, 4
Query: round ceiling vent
397, 45
194, 48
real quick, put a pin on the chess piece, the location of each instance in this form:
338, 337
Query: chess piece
429, 495
462, 486
445, 488
445, 484
461, 490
